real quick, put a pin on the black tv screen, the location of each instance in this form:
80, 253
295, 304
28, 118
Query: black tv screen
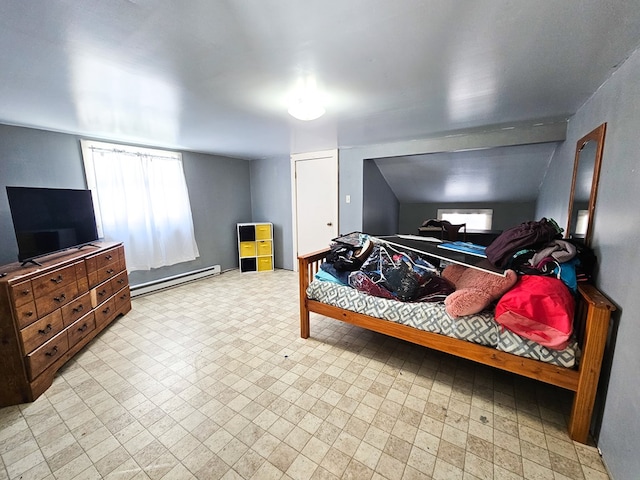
48, 220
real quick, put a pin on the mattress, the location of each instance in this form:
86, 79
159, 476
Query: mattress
480, 328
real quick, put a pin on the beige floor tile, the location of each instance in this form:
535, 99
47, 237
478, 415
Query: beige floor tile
507, 460
452, 454
535, 471
315, 450
594, 474
445, 471
267, 471
421, 461
282, 456
178, 472
41, 471
72, 466
206, 381
232, 451
302, 468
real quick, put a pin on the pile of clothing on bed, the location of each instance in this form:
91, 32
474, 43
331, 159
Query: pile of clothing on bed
384, 271
534, 299
537, 248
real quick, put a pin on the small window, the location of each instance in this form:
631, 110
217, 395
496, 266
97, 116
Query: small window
475, 218
582, 223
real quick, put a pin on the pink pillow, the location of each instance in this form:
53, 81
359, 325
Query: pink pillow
475, 289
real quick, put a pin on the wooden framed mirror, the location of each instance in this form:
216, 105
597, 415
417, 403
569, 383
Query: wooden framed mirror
584, 186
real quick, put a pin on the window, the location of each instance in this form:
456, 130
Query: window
140, 198
475, 218
582, 223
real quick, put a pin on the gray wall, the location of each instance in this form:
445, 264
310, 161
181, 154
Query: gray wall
34, 158
219, 191
271, 202
380, 207
505, 215
616, 233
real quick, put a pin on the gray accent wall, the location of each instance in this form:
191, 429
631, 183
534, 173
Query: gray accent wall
219, 191
380, 207
34, 158
271, 202
616, 233
505, 214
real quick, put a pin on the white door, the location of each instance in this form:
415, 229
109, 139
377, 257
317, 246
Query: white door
315, 201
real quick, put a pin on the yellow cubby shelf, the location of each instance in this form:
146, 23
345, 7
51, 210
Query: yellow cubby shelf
255, 247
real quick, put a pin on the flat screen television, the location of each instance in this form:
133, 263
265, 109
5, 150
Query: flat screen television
48, 220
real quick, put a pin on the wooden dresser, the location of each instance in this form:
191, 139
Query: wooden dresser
49, 312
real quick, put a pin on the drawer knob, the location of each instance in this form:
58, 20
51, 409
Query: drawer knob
25, 292
83, 328
120, 281
45, 330
110, 271
52, 352
123, 296
108, 257
29, 313
106, 310
57, 279
78, 309
102, 292
61, 298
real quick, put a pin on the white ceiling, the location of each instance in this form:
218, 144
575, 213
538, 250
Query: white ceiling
515, 175
214, 76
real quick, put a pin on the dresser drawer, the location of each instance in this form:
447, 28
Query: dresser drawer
48, 303
52, 281
81, 276
26, 314
103, 274
122, 298
21, 293
75, 309
119, 281
102, 259
101, 293
39, 332
81, 328
104, 265
48, 353
105, 313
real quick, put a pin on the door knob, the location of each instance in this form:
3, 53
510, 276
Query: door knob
329, 224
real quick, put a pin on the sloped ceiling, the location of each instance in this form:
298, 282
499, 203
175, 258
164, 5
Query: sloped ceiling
215, 76
491, 175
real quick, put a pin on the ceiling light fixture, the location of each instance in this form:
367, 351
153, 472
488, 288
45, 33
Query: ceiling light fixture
306, 103
306, 109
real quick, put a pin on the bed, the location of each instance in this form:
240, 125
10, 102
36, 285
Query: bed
591, 326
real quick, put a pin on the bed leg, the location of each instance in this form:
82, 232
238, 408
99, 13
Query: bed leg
304, 273
304, 322
593, 351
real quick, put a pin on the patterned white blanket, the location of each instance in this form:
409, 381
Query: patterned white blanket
480, 328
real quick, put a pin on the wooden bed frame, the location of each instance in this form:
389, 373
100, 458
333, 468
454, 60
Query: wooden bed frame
591, 326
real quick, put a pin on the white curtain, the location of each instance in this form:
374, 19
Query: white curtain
140, 197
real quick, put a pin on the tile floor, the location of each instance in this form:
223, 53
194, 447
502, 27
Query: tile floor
211, 380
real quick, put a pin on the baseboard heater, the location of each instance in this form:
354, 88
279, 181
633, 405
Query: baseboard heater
161, 284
